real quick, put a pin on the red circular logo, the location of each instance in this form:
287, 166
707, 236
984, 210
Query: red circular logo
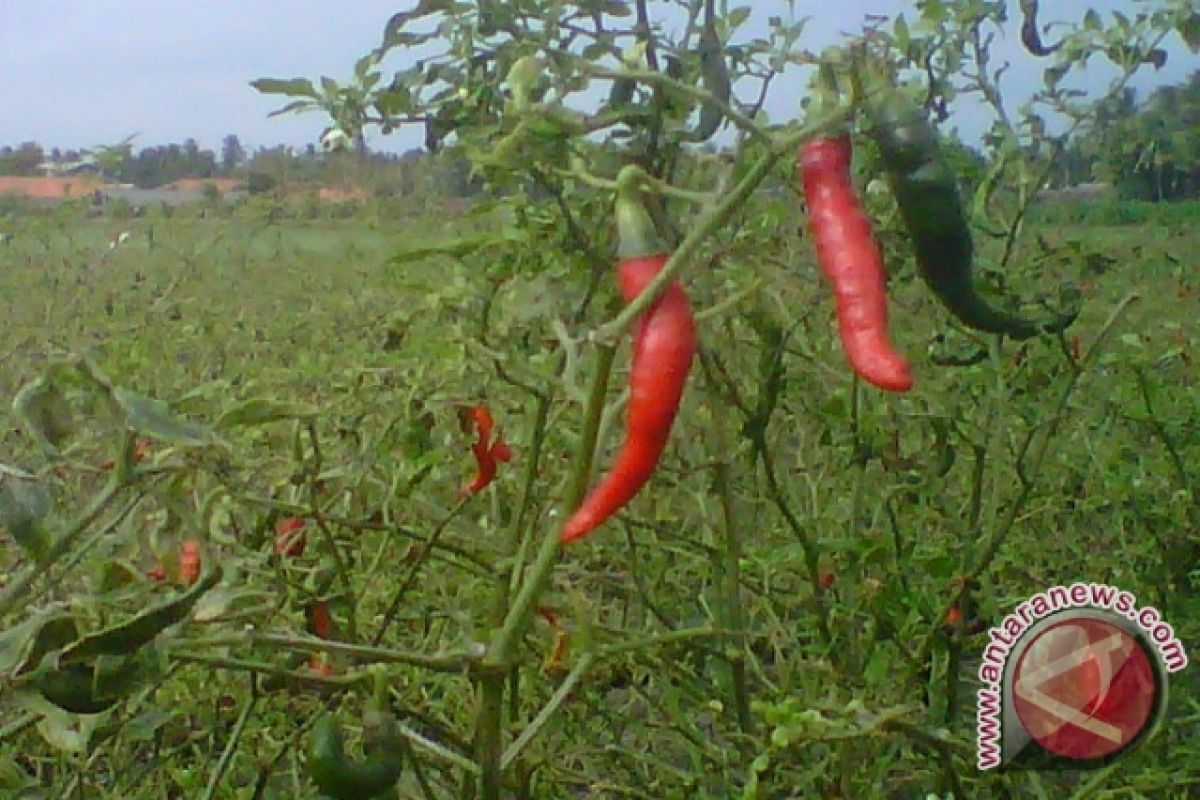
1084, 688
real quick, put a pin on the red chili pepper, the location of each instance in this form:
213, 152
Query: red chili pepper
290, 539
487, 453
189, 562
320, 667
158, 574
664, 344
851, 261
953, 615
320, 622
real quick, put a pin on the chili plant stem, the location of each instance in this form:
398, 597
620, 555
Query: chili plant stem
556, 700
15, 593
1027, 472
707, 225
506, 639
731, 599
231, 746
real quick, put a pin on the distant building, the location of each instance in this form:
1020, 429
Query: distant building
51, 189
343, 194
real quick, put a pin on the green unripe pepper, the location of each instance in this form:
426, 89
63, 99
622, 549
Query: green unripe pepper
927, 195
342, 779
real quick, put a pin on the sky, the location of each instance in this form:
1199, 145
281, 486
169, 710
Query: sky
79, 74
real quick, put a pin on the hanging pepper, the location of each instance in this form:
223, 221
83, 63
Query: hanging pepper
488, 454
851, 261
926, 193
664, 343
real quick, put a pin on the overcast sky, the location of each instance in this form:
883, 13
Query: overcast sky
78, 74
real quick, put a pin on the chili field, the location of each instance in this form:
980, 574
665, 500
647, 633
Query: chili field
798, 599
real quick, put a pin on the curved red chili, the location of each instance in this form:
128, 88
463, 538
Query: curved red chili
851, 261
488, 454
664, 345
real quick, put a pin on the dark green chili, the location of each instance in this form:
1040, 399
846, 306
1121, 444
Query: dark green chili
926, 192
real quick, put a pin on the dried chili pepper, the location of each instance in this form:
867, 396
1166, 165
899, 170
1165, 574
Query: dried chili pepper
664, 344
851, 261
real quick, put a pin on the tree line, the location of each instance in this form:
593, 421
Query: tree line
263, 169
1148, 150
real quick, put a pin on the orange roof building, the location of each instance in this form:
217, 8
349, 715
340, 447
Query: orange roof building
50, 188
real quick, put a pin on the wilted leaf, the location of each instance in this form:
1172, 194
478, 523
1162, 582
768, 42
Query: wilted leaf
20, 642
294, 106
137, 631
218, 601
155, 418
67, 732
43, 411
23, 505
261, 410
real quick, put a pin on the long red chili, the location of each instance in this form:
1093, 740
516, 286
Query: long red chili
664, 344
851, 261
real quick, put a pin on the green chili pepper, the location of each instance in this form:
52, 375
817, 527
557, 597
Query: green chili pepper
927, 196
342, 779
715, 76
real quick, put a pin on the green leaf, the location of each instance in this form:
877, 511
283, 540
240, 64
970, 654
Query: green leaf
262, 410
294, 106
294, 87
155, 418
218, 601
43, 411
20, 644
142, 728
13, 778
23, 505
737, 17
901, 33
458, 248
139, 630
67, 732
1189, 31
